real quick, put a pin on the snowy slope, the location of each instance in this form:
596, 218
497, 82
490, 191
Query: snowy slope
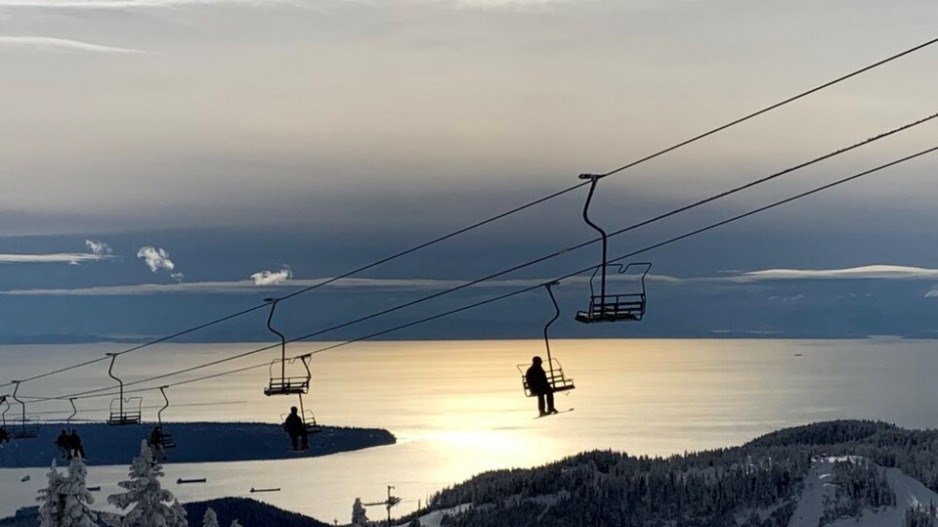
909, 491
433, 519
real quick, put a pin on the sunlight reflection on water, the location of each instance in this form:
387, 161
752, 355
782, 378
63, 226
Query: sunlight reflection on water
457, 407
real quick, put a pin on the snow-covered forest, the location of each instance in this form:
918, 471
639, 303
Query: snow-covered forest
870, 469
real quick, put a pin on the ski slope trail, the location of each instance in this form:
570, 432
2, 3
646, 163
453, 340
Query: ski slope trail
811, 505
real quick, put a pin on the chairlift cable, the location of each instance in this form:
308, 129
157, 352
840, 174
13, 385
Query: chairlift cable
533, 287
504, 214
540, 259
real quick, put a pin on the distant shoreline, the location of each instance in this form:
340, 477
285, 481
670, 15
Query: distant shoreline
198, 442
716, 335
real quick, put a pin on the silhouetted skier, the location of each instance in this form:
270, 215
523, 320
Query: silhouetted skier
537, 383
75, 446
63, 443
156, 443
297, 429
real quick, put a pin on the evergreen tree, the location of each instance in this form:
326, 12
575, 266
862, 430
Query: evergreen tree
210, 519
52, 508
150, 505
77, 500
359, 518
235, 523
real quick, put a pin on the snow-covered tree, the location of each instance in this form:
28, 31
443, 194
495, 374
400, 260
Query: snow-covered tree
77, 500
235, 523
359, 518
180, 513
210, 519
150, 505
51, 510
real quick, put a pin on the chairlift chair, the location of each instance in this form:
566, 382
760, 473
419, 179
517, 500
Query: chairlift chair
309, 420
26, 429
281, 384
3, 419
604, 307
123, 411
555, 376
624, 306
166, 440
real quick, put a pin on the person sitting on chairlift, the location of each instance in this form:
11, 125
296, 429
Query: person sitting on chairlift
537, 383
62, 442
297, 429
75, 446
156, 443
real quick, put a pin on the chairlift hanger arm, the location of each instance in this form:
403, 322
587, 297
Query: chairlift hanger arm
594, 178
283, 339
159, 414
71, 400
553, 319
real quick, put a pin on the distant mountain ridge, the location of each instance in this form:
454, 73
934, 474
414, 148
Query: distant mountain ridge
197, 442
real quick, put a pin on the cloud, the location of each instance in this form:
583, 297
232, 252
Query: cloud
883, 272
98, 248
250, 286
51, 44
134, 4
272, 277
69, 258
156, 259
239, 286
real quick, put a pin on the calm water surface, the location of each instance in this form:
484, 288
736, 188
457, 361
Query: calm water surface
457, 407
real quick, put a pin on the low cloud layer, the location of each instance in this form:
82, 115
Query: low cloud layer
130, 4
250, 286
59, 45
69, 258
884, 272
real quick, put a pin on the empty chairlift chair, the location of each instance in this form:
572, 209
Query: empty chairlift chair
25, 429
555, 376
123, 411
280, 383
605, 306
629, 306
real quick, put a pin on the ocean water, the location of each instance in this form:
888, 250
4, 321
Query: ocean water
457, 407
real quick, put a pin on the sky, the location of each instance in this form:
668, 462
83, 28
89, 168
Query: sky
167, 162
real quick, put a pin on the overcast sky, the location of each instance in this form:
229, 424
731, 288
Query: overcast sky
168, 161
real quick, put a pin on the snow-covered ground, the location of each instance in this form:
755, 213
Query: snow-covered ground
197, 442
909, 491
434, 518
